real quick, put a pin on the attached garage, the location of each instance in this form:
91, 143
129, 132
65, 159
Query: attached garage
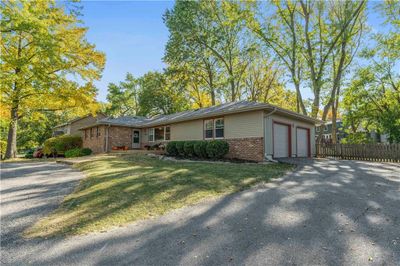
288, 135
303, 142
282, 139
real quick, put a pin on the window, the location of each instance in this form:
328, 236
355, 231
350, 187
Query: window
167, 133
317, 129
219, 128
151, 134
208, 129
159, 133
97, 132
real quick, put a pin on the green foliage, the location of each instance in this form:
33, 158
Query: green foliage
157, 96
29, 153
43, 45
356, 138
3, 146
61, 144
188, 148
49, 146
200, 148
180, 148
77, 152
217, 149
171, 148
123, 98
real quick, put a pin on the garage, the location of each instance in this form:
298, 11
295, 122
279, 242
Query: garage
303, 142
281, 142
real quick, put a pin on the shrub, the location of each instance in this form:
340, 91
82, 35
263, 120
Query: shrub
200, 148
73, 153
188, 148
29, 153
61, 144
217, 149
49, 146
171, 148
77, 152
86, 151
67, 142
179, 147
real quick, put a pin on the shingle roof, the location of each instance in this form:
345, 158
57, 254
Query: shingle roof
227, 108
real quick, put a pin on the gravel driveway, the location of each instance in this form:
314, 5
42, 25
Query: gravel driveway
324, 213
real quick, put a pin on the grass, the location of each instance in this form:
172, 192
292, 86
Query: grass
120, 190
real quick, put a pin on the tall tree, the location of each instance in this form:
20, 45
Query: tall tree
157, 96
217, 29
43, 45
373, 98
312, 33
123, 98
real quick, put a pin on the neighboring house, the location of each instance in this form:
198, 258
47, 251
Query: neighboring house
72, 127
326, 132
254, 131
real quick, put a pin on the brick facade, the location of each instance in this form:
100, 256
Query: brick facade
117, 136
94, 141
251, 149
120, 136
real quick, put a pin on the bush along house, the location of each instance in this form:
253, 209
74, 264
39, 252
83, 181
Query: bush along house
254, 131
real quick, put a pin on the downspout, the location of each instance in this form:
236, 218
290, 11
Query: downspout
269, 157
107, 129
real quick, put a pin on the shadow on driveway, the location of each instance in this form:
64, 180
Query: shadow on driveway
326, 212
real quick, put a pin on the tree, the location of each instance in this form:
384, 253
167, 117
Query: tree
157, 96
42, 46
217, 30
124, 98
373, 99
312, 33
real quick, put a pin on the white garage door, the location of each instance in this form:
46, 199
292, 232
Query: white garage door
281, 141
302, 142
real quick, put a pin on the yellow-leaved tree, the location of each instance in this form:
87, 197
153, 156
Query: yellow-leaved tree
44, 53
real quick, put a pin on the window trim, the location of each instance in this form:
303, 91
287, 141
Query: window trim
154, 137
165, 133
213, 129
204, 128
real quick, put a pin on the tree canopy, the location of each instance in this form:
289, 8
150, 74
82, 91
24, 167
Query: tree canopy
46, 62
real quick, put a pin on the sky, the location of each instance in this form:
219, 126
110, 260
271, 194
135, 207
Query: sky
133, 36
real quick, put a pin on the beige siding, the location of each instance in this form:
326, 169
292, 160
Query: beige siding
244, 125
75, 126
191, 130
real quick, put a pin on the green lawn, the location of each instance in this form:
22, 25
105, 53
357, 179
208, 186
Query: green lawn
120, 190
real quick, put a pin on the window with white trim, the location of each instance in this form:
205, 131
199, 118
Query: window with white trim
151, 134
167, 133
219, 128
208, 129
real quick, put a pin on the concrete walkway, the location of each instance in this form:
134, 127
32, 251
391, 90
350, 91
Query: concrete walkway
325, 213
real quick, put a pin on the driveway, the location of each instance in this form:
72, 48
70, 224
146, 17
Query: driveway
324, 213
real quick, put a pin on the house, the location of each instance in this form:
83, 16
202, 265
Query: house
254, 131
72, 127
326, 132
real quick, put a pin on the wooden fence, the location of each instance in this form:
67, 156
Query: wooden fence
368, 152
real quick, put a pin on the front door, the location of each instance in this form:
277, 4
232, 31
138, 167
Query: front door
136, 139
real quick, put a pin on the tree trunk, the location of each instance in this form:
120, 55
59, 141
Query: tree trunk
334, 137
11, 151
233, 90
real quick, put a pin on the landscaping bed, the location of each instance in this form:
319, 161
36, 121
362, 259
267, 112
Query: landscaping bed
123, 189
